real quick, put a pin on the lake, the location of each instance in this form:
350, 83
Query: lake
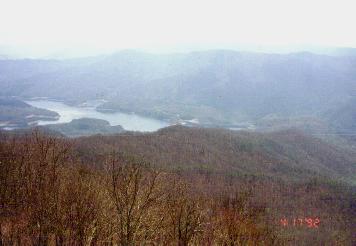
131, 122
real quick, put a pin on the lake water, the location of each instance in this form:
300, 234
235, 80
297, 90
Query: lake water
131, 122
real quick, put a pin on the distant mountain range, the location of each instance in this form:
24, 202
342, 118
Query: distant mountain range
70, 52
217, 87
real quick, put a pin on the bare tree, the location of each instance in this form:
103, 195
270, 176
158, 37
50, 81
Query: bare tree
185, 214
137, 196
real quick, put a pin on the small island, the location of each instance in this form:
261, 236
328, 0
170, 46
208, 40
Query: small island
85, 127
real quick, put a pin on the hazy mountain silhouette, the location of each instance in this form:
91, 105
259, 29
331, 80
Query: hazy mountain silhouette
213, 86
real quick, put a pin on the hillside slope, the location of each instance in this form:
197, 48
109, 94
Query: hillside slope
272, 177
287, 155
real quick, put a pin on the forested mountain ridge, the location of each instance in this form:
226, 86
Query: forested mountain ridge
215, 87
288, 155
213, 184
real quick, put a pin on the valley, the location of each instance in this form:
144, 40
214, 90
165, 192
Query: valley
240, 145
178, 123
67, 113
217, 88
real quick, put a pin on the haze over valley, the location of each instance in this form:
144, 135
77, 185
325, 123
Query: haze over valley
177, 122
217, 88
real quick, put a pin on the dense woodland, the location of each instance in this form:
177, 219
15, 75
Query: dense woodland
95, 191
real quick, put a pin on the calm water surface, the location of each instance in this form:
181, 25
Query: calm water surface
131, 122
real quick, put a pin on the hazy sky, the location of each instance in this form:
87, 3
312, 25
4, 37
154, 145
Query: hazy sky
132, 23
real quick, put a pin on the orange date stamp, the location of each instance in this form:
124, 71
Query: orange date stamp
300, 222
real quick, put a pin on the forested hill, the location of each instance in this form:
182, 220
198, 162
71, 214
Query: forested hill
287, 155
216, 185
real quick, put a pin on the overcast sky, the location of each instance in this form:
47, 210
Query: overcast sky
138, 24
